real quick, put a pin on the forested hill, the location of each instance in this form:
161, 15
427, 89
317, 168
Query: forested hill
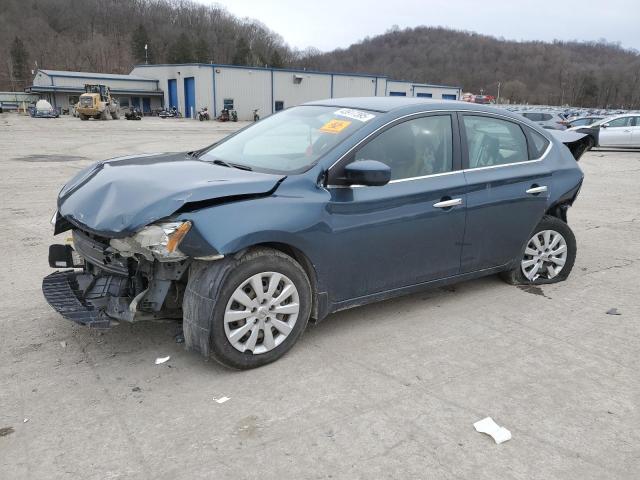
109, 36
580, 74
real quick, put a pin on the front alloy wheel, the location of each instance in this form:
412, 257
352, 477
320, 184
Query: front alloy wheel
261, 313
246, 310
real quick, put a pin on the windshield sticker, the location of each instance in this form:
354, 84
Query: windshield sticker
355, 114
335, 126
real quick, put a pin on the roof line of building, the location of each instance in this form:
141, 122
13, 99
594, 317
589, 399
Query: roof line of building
59, 88
245, 67
126, 78
433, 85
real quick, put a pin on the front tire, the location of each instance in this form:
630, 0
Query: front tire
255, 307
548, 256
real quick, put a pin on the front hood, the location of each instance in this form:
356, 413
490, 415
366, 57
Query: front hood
118, 197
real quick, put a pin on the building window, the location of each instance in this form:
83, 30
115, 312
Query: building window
279, 105
73, 99
424, 95
449, 96
228, 103
397, 94
297, 79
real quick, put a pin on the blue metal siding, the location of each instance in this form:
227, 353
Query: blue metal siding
189, 96
146, 105
173, 93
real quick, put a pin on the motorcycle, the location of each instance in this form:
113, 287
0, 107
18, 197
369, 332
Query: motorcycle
133, 114
203, 114
173, 113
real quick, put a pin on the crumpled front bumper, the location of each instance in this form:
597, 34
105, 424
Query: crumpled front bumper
62, 292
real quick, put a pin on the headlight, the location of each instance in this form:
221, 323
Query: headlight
163, 239
53, 219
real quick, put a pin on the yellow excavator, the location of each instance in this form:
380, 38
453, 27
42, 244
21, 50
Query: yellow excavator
97, 102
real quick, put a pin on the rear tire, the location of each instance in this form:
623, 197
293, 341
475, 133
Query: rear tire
548, 256
83, 117
115, 115
210, 303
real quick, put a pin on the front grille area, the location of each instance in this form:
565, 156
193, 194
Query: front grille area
96, 253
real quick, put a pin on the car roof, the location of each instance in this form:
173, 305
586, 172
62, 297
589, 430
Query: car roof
388, 104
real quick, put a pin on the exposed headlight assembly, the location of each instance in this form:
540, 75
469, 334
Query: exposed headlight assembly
161, 240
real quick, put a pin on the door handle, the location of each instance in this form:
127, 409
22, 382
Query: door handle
448, 203
537, 190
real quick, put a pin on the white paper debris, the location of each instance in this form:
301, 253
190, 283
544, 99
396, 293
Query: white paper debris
63, 344
160, 360
221, 399
25, 420
488, 426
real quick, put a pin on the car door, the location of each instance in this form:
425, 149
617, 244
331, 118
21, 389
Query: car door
507, 188
635, 132
410, 230
615, 133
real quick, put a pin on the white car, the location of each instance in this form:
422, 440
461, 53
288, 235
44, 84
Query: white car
617, 131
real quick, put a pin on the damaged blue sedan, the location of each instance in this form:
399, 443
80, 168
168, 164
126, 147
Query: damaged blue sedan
318, 208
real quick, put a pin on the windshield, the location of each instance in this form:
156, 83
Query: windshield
290, 141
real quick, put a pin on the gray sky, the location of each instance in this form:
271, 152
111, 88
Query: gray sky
329, 24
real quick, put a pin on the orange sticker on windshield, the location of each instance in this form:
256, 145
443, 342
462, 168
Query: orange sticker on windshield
335, 126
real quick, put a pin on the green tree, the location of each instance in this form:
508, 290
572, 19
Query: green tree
276, 60
19, 64
182, 50
139, 39
202, 51
242, 54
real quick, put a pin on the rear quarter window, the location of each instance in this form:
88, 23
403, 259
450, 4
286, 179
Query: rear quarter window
538, 144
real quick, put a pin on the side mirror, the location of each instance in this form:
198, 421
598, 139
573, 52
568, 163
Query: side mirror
367, 172
604, 125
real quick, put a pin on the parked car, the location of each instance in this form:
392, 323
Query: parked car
318, 208
583, 121
617, 131
546, 119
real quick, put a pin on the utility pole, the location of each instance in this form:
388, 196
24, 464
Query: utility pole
498, 97
146, 57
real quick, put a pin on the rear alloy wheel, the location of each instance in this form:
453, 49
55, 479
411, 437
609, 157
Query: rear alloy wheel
544, 256
548, 256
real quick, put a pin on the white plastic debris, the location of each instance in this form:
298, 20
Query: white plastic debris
63, 344
488, 426
160, 360
221, 399
25, 420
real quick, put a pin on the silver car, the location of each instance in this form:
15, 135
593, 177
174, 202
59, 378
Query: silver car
544, 118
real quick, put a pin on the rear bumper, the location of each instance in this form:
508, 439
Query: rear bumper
62, 292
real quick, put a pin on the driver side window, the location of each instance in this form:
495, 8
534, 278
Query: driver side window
414, 148
619, 122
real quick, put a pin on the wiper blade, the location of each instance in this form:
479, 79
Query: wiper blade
217, 161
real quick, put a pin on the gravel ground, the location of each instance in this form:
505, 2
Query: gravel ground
390, 390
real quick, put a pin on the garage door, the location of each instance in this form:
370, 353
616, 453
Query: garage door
189, 97
173, 94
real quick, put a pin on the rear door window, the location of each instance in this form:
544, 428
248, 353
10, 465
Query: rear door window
620, 122
492, 141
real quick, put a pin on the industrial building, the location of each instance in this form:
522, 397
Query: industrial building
62, 89
189, 87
